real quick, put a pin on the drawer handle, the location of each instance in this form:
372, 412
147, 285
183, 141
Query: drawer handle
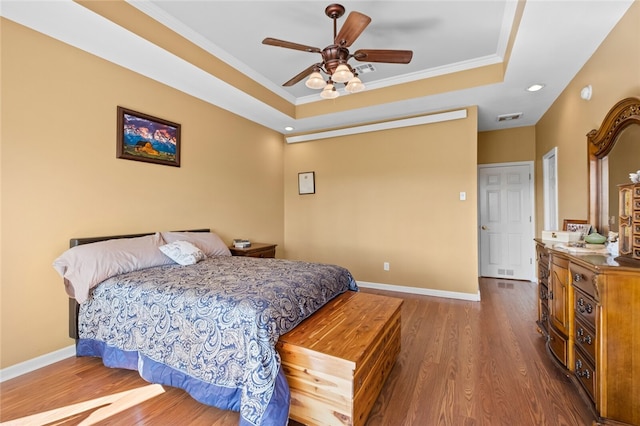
582, 307
577, 277
582, 338
578, 365
585, 373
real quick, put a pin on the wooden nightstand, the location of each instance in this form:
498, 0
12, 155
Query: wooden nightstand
256, 250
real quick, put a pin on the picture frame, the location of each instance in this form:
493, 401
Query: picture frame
577, 225
143, 137
306, 183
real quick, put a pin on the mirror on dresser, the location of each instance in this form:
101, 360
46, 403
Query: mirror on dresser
614, 152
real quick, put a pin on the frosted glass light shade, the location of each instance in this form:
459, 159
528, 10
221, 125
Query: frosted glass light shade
354, 86
315, 81
329, 92
342, 74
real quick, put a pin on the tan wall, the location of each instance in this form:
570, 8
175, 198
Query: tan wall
614, 73
390, 196
61, 179
505, 146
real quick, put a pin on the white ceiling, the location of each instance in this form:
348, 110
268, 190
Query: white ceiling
553, 41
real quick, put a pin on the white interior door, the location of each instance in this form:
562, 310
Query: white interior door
506, 221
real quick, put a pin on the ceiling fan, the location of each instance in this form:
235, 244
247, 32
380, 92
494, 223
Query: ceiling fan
335, 57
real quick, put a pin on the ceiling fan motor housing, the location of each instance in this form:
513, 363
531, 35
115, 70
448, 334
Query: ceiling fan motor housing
333, 56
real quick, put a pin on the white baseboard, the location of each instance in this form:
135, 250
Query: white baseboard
35, 363
422, 291
59, 355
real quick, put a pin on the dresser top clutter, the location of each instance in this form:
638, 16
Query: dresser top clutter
589, 294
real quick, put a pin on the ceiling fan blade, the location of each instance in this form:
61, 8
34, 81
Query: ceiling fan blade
381, 55
354, 25
290, 45
302, 75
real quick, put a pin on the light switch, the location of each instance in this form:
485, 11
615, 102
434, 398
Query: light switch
463, 196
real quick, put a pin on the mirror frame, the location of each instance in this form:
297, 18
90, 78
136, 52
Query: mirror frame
600, 142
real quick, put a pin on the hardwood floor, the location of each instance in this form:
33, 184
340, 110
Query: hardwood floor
462, 363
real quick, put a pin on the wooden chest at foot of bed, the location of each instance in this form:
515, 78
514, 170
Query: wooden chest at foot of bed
337, 360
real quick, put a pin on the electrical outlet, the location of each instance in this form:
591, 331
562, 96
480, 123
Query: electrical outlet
385, 266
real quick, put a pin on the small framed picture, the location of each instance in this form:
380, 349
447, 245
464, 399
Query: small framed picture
142, 137
577, 225
306, 183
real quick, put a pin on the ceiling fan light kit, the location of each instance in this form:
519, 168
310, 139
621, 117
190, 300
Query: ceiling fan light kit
335, 57
315, 81
354, 85
329, 92
342, 74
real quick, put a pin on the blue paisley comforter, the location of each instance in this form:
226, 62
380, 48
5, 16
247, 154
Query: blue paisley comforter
211, 327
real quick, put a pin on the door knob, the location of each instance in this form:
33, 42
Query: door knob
484, 228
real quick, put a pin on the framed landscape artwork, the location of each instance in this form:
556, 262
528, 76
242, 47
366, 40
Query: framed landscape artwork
142, 137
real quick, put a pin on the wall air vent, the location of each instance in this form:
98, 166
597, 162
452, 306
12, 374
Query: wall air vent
364, 68
509, 117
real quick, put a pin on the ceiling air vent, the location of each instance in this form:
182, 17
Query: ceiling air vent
364, 68
509, 117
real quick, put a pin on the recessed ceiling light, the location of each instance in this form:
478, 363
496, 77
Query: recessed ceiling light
535, 87
288, 128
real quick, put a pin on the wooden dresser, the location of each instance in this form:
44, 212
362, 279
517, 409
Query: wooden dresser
589, 313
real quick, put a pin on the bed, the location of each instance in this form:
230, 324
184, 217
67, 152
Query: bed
209, 327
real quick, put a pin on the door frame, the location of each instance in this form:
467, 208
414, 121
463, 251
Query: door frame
532, 230
548, 191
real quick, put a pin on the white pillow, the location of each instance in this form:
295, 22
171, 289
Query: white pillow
183, 252
85, 266
208, 242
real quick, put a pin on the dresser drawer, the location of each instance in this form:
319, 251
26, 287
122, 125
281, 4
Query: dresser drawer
586, 374
543, 256
585, 308
636, 216
636, 203
636, 191
558, 345
544, 318
543, 293
585, 338
583, 279
543, 275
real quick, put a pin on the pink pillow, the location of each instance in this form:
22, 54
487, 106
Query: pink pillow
85, 266
208, 242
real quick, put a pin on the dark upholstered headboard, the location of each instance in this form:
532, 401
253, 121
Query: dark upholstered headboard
73, 305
